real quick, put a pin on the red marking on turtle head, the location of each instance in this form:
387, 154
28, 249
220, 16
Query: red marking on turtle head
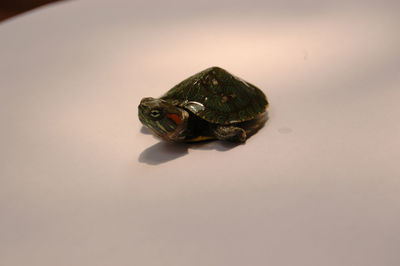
176, 118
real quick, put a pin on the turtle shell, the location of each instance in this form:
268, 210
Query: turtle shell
218, 97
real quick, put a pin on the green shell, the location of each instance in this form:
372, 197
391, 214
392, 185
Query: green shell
218, 97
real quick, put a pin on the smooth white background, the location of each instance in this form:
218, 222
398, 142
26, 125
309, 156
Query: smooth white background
81, 183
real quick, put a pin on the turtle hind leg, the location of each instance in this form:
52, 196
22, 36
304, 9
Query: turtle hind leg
230, 133
253, 126
240, 132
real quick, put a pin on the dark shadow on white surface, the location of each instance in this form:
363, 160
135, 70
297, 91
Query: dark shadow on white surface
163, 152
145, 131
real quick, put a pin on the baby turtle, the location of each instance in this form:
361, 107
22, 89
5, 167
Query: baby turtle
212, 104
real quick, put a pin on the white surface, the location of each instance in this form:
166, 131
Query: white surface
80, 184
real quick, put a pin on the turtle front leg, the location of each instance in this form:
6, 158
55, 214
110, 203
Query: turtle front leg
230, 133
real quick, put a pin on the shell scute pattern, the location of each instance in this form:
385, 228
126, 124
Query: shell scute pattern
226, 98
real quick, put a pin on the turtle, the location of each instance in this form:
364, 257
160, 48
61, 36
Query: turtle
212, 104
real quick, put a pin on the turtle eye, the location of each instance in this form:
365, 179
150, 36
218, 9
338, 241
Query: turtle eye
155, 113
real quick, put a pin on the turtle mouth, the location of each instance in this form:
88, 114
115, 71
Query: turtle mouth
168, 123
141, 114
155, 126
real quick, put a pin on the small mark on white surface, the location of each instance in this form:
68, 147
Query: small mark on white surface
285, 130
305, 55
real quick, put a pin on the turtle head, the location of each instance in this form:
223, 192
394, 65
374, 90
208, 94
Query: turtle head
164, 120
